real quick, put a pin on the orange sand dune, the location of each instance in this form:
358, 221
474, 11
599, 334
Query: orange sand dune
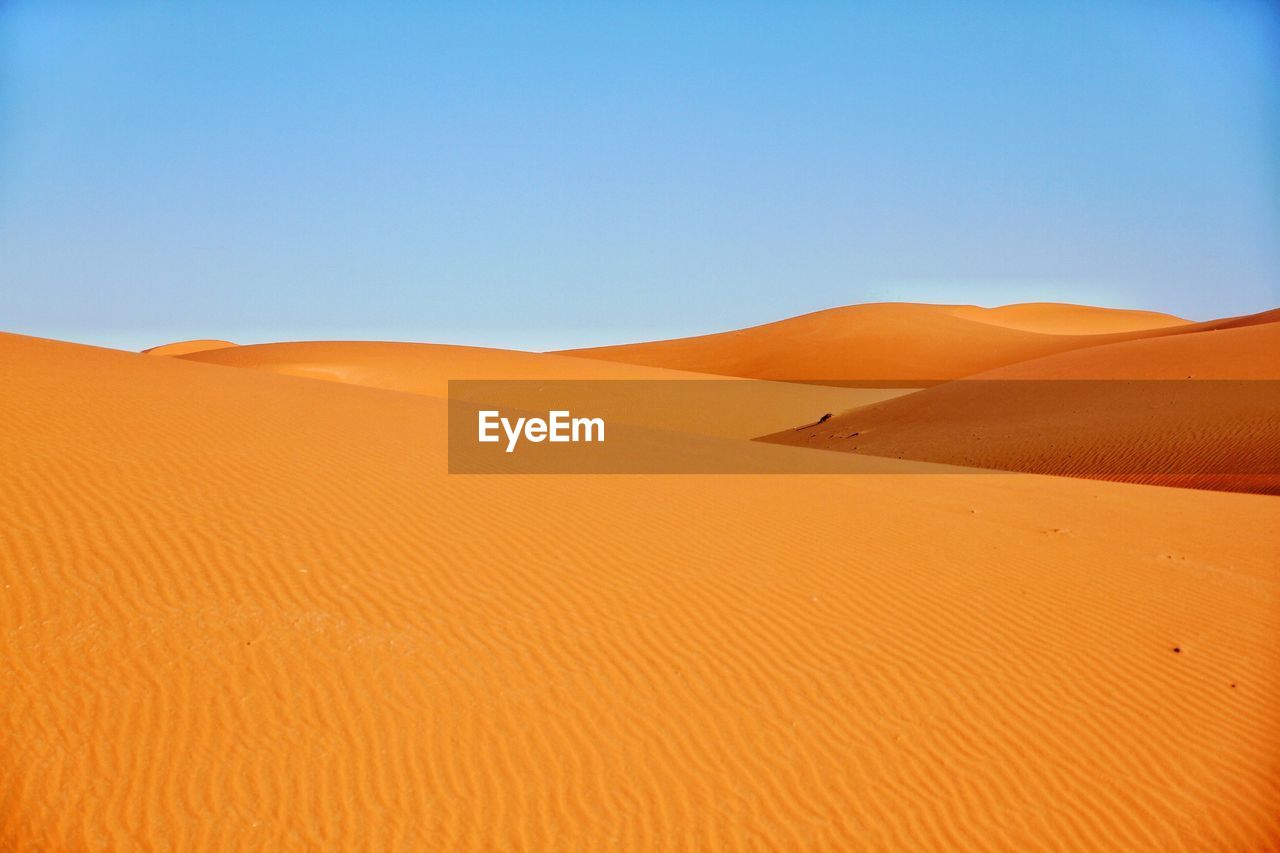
1237, 350
652, 397
1074, 414
244, 610
902, 343
1057, 318
889, 341
186, 347
416, 368
1261, 318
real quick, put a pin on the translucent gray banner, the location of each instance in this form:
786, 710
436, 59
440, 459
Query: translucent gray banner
1183, 432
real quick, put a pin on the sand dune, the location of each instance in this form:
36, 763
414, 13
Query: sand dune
904, 343
417, 368
187, 347
1057, 318
892, 341
247, 610
1243, 349
1259, 319
650, 397
1076, 414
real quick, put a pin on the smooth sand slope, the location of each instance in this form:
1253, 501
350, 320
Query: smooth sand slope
1247, 348
1078, 414
1058, 318
650, 397
187, 347
894, 341
416, 368
248, 611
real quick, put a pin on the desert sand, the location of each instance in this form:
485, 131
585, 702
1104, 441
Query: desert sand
245, 609
713, 407
889, 342
1245, 348
1080, 413
185, 347
1057, 318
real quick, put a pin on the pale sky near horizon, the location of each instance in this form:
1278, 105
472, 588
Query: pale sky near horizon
555, 175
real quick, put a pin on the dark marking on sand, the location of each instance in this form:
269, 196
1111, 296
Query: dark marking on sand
814, 424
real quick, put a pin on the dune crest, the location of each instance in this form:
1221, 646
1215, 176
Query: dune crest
1235, 350
188, 347
1060, 318
417, 368
894, 341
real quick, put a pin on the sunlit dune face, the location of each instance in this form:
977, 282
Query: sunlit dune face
898, 342
187, 347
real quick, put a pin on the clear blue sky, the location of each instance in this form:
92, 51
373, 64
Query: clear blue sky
554, 174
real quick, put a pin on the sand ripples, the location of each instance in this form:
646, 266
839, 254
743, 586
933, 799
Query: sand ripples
247, 611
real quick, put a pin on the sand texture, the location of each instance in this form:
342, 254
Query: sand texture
900, 343
248, 610
1194, 410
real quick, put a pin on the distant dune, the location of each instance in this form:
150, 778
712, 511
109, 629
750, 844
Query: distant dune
1073, 414
651, 397
416, 368
893, 341
186, 347
1058, 318
1236, 349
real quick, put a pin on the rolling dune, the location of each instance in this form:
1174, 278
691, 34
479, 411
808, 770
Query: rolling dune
244, 610
1245, 349
650, 397
1107, 412
892, 342
187, 347
1058, 318
417, 368
904, 344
